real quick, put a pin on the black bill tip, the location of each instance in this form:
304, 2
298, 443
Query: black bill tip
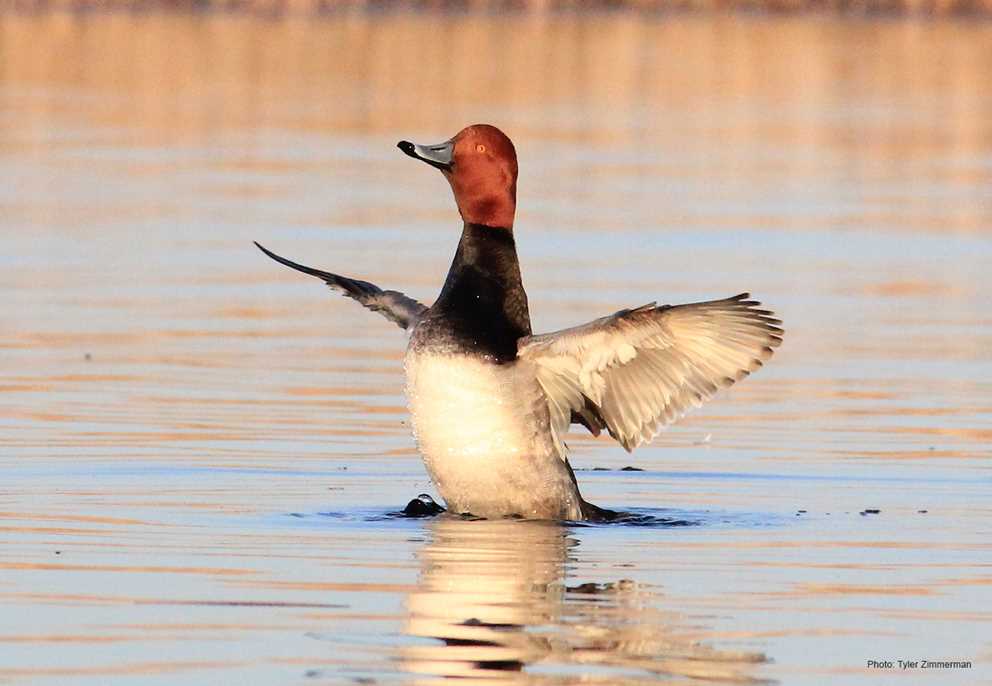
438, 156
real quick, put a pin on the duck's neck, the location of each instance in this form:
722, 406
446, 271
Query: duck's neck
483, 296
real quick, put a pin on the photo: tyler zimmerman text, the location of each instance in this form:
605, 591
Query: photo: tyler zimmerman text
918, 664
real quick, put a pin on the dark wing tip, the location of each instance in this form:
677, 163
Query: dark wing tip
266, 250
330, 279
277, 258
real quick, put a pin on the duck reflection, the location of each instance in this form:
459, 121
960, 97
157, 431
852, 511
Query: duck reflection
494, 598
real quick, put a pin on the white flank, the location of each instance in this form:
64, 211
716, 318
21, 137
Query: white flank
484, 432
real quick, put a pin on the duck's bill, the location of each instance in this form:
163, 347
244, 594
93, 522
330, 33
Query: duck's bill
439, 155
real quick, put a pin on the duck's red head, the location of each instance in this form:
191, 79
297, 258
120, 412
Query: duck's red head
481, 166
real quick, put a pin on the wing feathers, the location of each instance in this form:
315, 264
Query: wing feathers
393, 305
641, 369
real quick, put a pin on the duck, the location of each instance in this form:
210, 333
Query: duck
491, 402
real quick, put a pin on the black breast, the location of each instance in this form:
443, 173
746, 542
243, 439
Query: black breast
482, 309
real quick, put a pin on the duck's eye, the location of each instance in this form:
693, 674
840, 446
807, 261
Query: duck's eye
480, 148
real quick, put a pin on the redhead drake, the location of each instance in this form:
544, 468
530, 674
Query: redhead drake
491, 402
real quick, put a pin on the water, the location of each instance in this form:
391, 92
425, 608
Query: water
199, 448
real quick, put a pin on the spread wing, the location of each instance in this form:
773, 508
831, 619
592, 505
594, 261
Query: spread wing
393, 305
639, 370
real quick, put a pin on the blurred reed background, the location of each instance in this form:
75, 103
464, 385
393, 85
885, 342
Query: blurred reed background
916, 8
